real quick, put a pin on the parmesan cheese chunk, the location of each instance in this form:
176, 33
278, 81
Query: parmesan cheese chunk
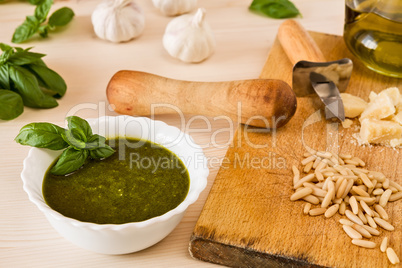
379, 131
372, 96
398, 118
347, 123
394, 94
381, 107
353, 105
395, 142
399, 107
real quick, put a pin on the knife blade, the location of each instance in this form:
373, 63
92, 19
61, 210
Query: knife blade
312, 73
329, 95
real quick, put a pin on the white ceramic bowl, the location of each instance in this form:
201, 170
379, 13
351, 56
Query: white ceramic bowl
129, 237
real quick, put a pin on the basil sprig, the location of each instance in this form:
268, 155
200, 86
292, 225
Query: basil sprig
37, 22
78, 143
26, 80
277, 9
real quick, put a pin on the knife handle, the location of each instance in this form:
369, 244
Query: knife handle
298, 44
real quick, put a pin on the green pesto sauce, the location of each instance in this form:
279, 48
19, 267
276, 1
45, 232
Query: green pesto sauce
145, 182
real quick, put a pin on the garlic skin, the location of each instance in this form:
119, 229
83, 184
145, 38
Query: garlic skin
175, 7
189, 38
118, 20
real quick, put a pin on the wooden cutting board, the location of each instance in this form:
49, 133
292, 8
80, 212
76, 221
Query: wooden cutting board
248, 219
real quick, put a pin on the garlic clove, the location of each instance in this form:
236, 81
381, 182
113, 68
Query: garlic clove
189, 38
118, 20
175, 7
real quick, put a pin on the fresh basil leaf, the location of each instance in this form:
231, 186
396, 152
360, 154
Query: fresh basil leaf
39, 62
97, 139
70, 160
48, 78
35, 2
42, 135
48, 101
42, 10
24, 57
43, 30
79, 134
98, 147
61, 17
5, 47
27, 29
277, 9
6, 55
74, 137
28, 87
4, 77
11, 105
95, 142
79, 123
102, 152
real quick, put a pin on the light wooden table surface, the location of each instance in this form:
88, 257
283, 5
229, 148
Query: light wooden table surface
87, 63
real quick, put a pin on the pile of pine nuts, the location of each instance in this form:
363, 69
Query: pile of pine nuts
341, 184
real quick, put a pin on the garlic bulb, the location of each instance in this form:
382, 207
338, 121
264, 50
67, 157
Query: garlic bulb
118, 20
175, 7
189, 38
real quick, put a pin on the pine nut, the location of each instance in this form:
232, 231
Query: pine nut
331, 211
296, 174
328, 197
392, 257
346, 222
308, 167
384, 224
353, 204
323, 154
385, 184
307, 178
352, 233
385, 197
300, 194
380, 210
361, 216
384, 244
342, 208
353, 217
364, 243
395, 197
378, 191
361, 230
370, 221
360, 192
342, 188
306, 208
396, 185
366, 208
366, 180
371, 230
317, 211
308, 160
312, 199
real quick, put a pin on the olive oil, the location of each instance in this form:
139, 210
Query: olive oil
375, 40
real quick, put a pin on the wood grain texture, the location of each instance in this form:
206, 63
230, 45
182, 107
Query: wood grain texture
256, 102
248, 219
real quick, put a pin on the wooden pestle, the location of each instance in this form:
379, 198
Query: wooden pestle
264, 103
298, 44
